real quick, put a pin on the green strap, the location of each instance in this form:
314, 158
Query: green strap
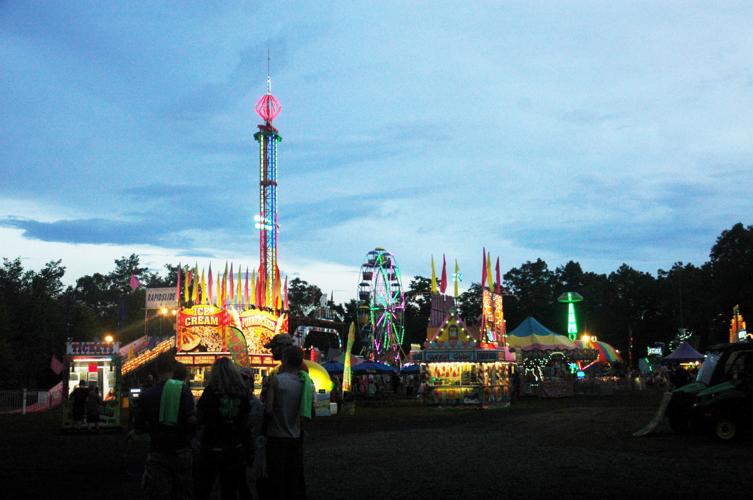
169, 403
307, 396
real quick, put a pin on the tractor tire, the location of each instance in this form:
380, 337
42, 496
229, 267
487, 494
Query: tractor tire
725, 428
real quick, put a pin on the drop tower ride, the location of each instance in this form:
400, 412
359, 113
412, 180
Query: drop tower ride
268, 107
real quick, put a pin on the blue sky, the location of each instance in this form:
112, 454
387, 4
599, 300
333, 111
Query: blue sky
599, 132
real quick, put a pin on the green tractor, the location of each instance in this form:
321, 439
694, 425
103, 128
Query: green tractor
721, 398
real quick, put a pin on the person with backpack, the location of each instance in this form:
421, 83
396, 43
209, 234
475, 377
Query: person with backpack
289, 399
166, 412
223, 412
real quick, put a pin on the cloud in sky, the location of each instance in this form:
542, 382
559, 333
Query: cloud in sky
598, 133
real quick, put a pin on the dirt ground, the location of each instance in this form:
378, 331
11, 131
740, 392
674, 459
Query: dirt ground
566, 448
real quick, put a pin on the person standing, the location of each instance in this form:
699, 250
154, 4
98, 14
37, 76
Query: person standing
289, 399
166, 411
93, 402
78, 397
223, 411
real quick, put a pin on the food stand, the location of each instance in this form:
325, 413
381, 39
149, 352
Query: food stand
459, 370
96, 363
207, 332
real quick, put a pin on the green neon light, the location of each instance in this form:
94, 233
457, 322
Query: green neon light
572, 324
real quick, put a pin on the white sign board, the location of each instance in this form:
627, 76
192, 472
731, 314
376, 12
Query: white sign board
157, 298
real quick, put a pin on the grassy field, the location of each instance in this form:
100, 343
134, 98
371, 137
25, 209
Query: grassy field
566, 448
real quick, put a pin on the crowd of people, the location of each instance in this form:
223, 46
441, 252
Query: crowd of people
229, 436
87, 404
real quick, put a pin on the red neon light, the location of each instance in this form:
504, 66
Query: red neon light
268, 107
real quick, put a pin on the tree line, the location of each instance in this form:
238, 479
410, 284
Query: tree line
38, 312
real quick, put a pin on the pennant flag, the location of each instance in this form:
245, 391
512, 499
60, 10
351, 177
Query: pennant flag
245, 290
285, 305
489, 271
189, 280
195, 289
483, 271
210, 295
231, 288
457, 278
276, 289
433, 278
498, 288
238, 295
223, 299
348, 349
443, 283
177, 287
219, 299
134, 282
203, 297
56, 365
253, 289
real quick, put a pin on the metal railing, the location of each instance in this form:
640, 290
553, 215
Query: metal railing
24, 401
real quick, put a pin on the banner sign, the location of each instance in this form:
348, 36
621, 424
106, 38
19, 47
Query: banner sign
259, 327
201, 328
446, 356
199, 359
494, 317
157, 298
92, 348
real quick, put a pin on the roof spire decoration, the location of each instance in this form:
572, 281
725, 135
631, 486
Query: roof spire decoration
268, 107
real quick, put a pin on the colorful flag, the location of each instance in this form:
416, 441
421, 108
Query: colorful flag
483, 271
223, 299
203, 291
285, 305
177, 287
134, 282
219, 282
489, 271
189, 279
56, 365
443, 283
231, 287
348, 349
196, 283
457, 278
482, 331
276, 288
245, 290
253, 289
238, 294
498, 288
433, 278
262, 288
210, 295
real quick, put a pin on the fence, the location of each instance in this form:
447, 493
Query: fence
24, 401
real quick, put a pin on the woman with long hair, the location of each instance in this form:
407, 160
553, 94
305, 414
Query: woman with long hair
223, 412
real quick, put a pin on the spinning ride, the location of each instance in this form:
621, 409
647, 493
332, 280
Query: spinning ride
381, 306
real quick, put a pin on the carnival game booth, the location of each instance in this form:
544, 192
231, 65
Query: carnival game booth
545, 357
458, 370
597, 375
97, 364
686, 357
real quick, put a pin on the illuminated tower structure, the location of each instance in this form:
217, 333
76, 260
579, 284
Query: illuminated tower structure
268, 107
571, 298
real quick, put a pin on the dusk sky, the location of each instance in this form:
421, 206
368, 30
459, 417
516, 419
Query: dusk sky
601, 132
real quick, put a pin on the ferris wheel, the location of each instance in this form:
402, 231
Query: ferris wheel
381, 306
